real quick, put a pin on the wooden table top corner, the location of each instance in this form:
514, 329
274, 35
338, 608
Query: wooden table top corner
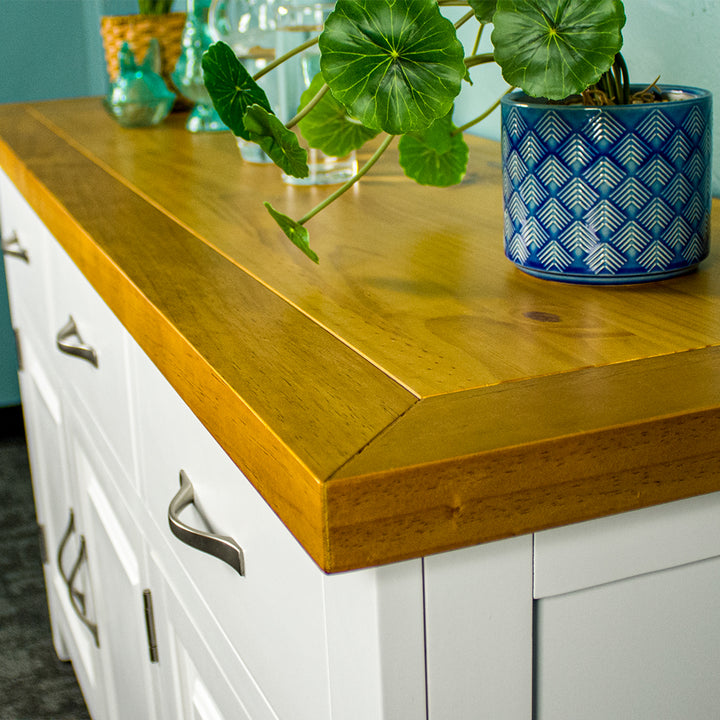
414, 392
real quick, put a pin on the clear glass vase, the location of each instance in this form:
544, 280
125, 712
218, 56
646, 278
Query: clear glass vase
297, 22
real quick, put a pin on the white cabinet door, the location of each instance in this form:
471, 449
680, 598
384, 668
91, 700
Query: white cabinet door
80, 441
190, 682
627, 617
46, 448
646, 648
70, 594
116, 570
343, 647
274, 613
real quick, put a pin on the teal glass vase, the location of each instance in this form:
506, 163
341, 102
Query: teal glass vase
139, 97
188, 73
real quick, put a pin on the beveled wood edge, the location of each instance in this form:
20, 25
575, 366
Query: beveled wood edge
583, 445
513, 491
545, 408
301, 508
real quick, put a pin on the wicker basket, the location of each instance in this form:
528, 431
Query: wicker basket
136, 31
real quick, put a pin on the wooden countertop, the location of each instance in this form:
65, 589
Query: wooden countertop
413, 393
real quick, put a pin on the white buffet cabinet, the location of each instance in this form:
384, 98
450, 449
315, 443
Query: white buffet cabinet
613, 618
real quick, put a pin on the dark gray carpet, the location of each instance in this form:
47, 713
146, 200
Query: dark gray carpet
34, 684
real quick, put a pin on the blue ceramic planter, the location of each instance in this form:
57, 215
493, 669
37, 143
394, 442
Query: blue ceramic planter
616, 194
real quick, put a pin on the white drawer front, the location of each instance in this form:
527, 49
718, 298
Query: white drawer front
25, 246
102, 390
274, 615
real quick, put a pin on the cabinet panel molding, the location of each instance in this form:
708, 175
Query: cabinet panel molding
607, 549
479, 625
185, 632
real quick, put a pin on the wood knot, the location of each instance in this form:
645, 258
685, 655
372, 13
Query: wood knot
542, 316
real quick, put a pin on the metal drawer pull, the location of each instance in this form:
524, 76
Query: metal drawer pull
11, 246
77, 348
222, 547
80, 611
69, 530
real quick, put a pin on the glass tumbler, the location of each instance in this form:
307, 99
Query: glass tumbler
248, 27
298, 21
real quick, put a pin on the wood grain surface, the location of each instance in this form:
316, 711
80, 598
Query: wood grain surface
414, 392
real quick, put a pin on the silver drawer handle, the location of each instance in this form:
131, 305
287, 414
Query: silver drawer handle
77, 348
222, 547
61, 550
11, 246
73, 593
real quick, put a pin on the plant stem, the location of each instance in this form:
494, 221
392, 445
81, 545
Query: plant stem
468, 16
481, 59
478, 38
308, 108
605, 86
618, 85
624, 78
481, 117
279, 61
344, 188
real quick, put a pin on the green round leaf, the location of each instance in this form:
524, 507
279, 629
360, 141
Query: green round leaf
556, 48
328, 127
297, 234
231, 87
276, 140
397, 65
434, 156
484, 9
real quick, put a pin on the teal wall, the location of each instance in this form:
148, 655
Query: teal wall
675, 39
52, 48
48, 49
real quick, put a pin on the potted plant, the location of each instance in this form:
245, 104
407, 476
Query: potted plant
610, 184
604, 181
154, 19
